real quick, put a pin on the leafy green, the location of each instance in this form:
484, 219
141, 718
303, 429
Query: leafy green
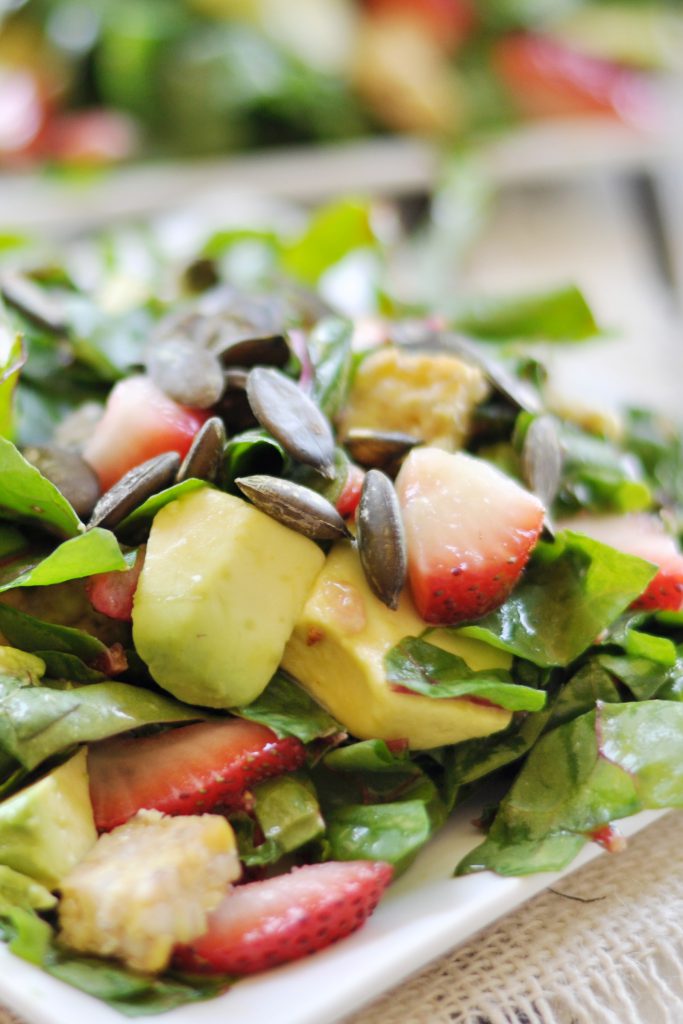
572, 590
428, 670
140, 519
329, 346
612, 762
21, 666
93, 552
130, 992
253, 451
11, 541
38, 722
599, 474
32, 634
659, 447
470, 761
12, 358
287, 709
69, 668
28, 497
393, 832
332, 232
378, 803
288, 812
558, 315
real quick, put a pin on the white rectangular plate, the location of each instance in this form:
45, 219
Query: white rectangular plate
426, 913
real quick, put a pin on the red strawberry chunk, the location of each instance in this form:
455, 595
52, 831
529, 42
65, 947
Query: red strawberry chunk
266, 923
139, 422
469, 532
188, 770
546, 78
112, 593
348, 500
645, 537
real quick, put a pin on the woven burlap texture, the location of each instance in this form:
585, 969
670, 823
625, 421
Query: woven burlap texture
604, 947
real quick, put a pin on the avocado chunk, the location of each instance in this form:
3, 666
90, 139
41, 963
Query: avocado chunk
337, 653
47, 828
220, 591
17, 890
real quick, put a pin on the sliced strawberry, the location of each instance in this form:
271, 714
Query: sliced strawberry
347, 502
139, 422
546, 78
112, 593
266, 923
185, 771
90, 138
642, 535
469, 531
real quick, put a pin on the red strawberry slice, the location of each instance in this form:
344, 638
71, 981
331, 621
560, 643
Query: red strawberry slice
139, 422
469, 532
546, 78
112, 593
644, 536
347, 502
185, 771
266, 923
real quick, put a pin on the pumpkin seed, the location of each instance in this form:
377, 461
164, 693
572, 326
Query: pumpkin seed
295, 506
234, 408
381, 540
378, 449
254, 351
542, 462
203, 461
186, 372
75, 430
70, 474
200, 275
139, 484
292, 418
34, 302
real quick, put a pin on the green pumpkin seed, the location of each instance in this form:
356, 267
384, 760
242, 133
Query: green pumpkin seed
292, 418
379, 449
204, 459
186, 372
39, 305
542, 461
133, 489
254, 351
295, 506
70, 474
381, 539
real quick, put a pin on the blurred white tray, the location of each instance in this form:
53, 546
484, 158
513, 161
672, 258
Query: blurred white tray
538, 152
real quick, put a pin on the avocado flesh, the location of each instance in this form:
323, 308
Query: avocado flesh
219, 593
47, 828
337, 653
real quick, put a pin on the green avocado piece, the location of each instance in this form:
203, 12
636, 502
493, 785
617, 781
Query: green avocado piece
18, 890
47, 828
219, 593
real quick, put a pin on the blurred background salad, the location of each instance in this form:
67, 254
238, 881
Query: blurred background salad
91, 82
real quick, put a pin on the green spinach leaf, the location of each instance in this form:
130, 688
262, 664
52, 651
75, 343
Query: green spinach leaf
570, 593
432, 672
612, 762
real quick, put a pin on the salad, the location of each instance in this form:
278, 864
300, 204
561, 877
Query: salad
110, 81
280, 590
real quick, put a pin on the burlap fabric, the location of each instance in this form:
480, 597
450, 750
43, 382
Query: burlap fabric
604, 947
